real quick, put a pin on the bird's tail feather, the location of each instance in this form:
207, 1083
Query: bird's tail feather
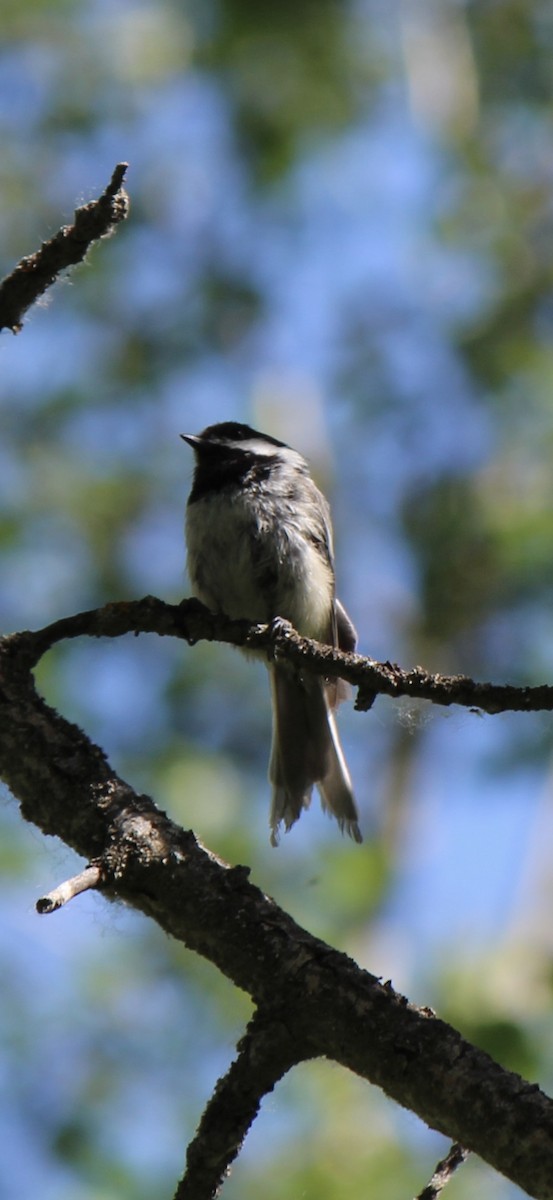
306, 751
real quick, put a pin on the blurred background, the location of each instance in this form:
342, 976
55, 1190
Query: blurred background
341, 233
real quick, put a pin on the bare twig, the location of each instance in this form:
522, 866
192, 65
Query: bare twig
89, 878
445, 1169
193, 622
37, 272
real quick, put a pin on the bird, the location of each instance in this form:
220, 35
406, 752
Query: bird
259, 547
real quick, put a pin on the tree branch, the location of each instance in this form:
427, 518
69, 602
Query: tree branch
328, 1005
192, 622
265, 1054
445, 1171
37, 272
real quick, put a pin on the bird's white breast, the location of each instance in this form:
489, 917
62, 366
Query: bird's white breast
250, 560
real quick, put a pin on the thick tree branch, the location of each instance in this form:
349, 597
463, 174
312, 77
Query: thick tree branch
326, 1003
193, 622
37, 272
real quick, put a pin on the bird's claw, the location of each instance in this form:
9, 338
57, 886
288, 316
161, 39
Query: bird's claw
279, 627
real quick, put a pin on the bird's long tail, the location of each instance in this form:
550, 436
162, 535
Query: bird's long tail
306, 750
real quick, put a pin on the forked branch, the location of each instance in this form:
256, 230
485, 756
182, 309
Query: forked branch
66, 786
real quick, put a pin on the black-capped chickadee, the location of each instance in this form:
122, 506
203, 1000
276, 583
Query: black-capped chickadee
259, 542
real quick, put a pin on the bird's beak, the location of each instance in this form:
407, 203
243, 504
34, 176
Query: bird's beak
192, 439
